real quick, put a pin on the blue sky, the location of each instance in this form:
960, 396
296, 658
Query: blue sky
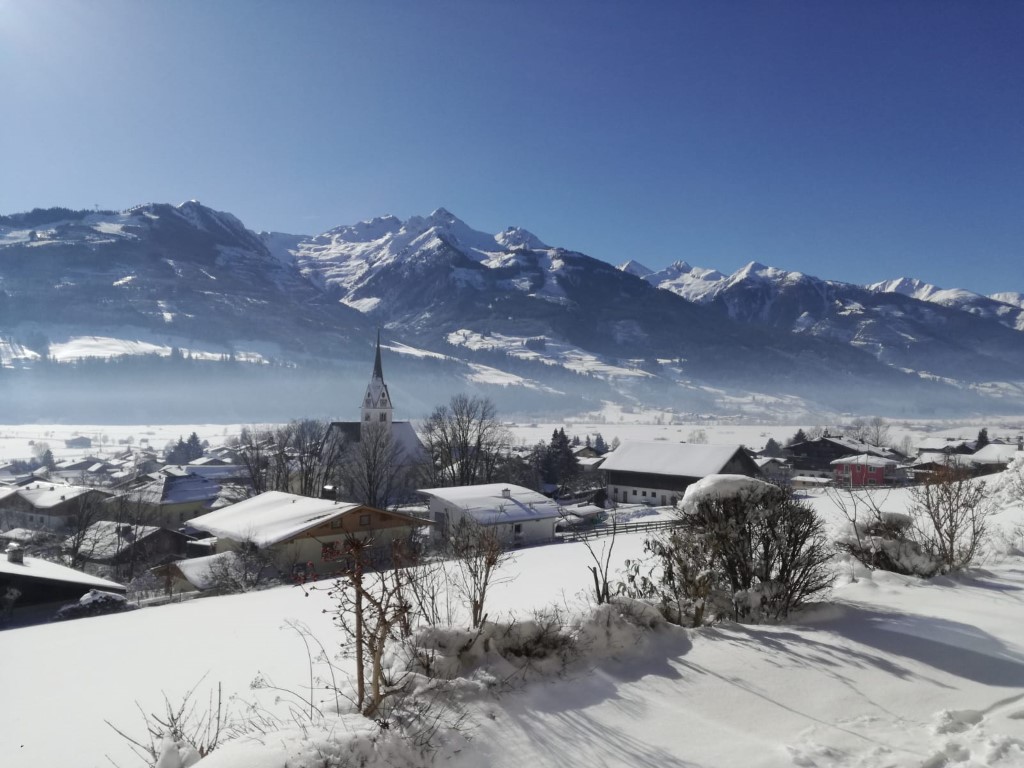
857, 141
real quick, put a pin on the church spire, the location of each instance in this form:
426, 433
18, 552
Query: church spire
377, 408
378, 372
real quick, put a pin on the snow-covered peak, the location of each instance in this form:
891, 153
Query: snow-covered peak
368, 231
517, 237
633, 267
906, 286
1009, 297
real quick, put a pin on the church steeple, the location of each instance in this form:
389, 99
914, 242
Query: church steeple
377, 408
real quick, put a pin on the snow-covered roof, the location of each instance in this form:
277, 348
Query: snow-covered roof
863, 460
995, 453
271, 517
35, 568
764, 461
43, 495
961, 460
810, 480
202, 572
944, 443
589, 461
21, 535
101, 540
722, 486
664, 458
497, 502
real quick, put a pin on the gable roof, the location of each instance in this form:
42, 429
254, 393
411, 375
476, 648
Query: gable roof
488, 504
863, 460
45, 495
34, 568
675, 459
276, 516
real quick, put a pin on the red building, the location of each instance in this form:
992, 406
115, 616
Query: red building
862, 470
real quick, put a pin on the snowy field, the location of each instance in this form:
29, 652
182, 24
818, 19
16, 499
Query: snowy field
892, 672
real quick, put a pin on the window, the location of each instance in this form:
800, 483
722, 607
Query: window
336, 522
364, 519
517, 529
643, 493
383, 417
366, 417
634, 491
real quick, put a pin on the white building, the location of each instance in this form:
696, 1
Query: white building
521, 515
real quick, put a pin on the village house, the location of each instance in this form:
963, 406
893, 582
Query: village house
521, 516
814, 457
42, 505
861, 470
658, 472
300, 532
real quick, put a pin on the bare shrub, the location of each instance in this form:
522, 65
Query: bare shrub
950, 512
478, 552
183, 733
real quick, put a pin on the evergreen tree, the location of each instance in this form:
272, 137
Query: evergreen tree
982, 438
772, 448
193, 448
799, 437
599, 444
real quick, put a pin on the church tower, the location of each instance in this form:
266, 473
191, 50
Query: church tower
377, 408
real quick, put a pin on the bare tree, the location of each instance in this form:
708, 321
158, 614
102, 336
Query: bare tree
83, 538
299, 457
373, 606
374, 471
877, 432
478, 552
465, 441
951, 512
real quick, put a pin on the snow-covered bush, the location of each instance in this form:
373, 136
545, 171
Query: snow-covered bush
738, 538
887, 541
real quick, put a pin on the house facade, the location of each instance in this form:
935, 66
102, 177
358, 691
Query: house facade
657, 473
303, 533
861, 470
521, 516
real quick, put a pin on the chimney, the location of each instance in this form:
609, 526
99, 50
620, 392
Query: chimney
15, 554
506, 493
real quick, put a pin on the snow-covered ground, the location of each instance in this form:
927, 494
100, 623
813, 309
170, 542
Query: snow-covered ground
892, 671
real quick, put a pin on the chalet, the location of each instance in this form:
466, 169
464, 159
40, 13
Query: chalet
49, 506
947, 445
520, 515
861, 470
31, 590
169, 498
994, 457
302, 531
117, 545
658, 472
78, 442
774, 469
812, 457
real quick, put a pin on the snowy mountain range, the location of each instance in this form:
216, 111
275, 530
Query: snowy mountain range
503, 313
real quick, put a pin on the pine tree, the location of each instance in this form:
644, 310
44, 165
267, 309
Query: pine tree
982, 438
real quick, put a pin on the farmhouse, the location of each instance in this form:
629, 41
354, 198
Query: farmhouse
49, 506
658, 472
811, 456
521, 516
302, 531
